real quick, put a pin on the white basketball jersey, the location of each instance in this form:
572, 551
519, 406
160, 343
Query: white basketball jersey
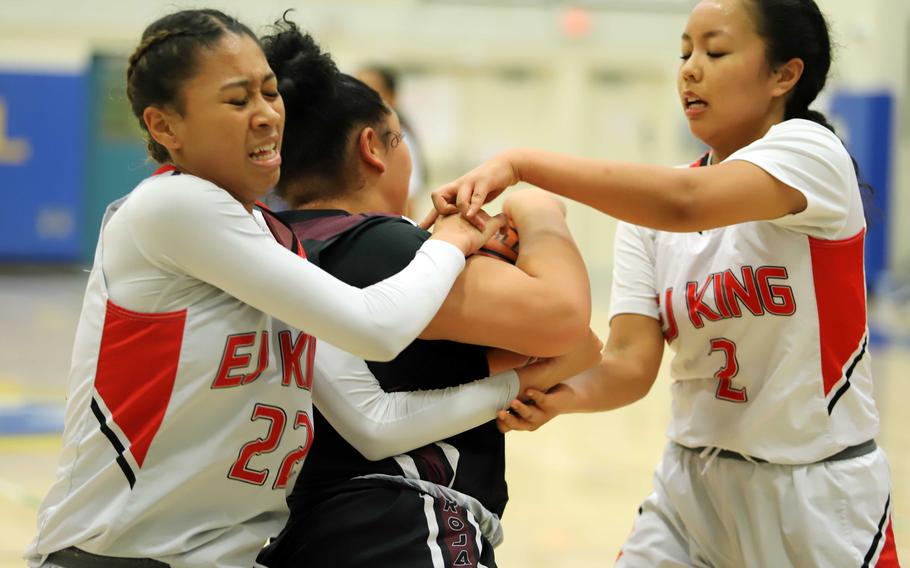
766, 320
183, 431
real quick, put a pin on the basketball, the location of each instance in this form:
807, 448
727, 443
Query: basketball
503, 245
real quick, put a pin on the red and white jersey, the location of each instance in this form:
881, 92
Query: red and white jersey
767, 319
179, 444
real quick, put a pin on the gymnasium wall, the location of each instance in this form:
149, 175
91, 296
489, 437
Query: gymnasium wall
479, 76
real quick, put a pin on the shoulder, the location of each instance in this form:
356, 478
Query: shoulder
394, 228
377, 248
802, 154
173, 208
174, 183
800, 140
811, 159
807, 132
170, 193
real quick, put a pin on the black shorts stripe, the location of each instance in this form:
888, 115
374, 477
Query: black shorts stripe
846, 386
878, 535
112, 438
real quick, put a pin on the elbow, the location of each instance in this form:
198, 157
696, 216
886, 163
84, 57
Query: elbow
685, 213
685, 209
370, 445
384, 345
564, 322
641, 385
641, 390
572, 330
373, 456
384, 354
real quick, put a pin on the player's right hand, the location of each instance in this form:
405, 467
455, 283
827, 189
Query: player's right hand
542, 394
537, 409
471, 191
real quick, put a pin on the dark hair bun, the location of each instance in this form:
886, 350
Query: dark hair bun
324, 109
305, 74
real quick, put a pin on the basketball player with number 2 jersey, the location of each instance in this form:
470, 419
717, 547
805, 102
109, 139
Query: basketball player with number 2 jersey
775, 312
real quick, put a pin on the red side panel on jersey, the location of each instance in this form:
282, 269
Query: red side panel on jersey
837, 270
137, 366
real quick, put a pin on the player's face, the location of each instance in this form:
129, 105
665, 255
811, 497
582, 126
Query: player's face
724, 82
397, 157
230, 130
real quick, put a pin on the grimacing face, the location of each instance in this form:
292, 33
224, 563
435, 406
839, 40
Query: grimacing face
230, 130
724, 83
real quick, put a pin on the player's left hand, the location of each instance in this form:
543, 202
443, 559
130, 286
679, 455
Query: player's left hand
536, 409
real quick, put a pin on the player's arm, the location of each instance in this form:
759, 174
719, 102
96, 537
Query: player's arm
669, 199
625, 374
541, 306
189, 226
380, 424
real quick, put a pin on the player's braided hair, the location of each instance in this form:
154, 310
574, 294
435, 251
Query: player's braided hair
166, 57
323, 108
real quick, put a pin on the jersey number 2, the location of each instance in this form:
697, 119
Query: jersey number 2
725, 388
241, 471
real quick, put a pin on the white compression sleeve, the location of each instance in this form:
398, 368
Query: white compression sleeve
380, 424
189, 226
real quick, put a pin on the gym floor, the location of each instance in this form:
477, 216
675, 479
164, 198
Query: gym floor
575, 484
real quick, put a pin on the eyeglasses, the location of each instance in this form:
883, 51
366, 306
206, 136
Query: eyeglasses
395, 137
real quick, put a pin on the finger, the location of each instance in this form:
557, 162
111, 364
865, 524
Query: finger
463, 199
478, 198
536, 396
492, 225
525, 411
502, 423
479, 220
506, 422
479, 223
444, 199
429, 219
504, 229
526, 416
